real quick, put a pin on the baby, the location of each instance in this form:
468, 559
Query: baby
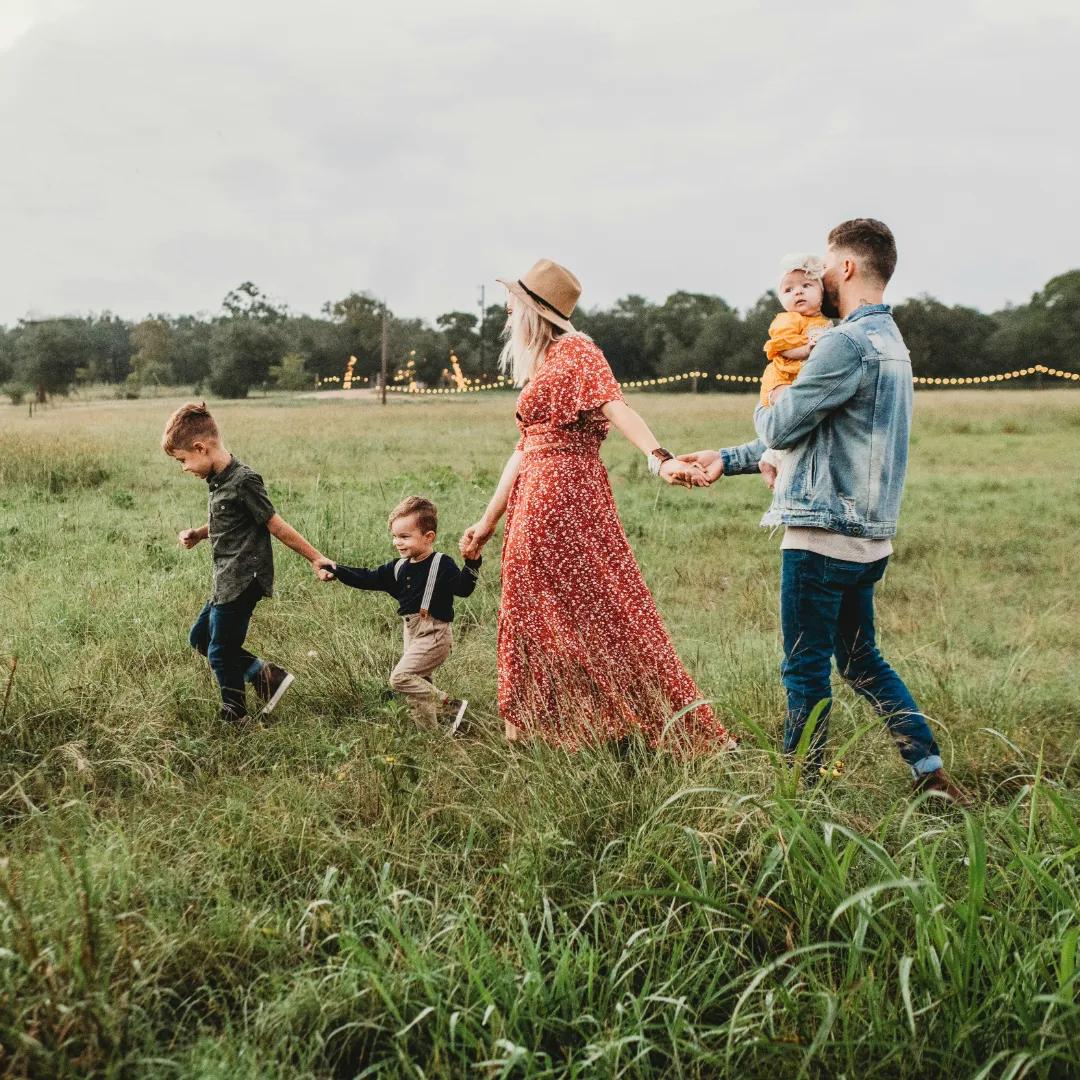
793, 333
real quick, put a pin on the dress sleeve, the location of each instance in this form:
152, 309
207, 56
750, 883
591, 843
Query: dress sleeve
786, 332
584, 382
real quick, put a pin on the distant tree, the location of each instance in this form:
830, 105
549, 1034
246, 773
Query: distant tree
489, 337
630, 334
460, 337
242, 351
747, 356
247, 301
718, 344
110, 348
49, 353
7, 353
291, 373
359, 318
420, 349
189, 350
323, 345
150, 361
1046, 330
944, 340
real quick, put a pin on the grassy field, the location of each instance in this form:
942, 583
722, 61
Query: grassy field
334, 894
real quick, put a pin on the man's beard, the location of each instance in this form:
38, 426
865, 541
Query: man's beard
830, 302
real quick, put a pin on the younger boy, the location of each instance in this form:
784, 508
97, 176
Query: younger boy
424, 582
241, 522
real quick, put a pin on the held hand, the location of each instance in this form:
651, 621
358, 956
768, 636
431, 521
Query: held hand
189, 538
710, 461
323, 568
474, 538
686, 474
768, 474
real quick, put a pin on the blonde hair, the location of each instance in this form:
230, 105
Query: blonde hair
813, 266
527, 335
191, 423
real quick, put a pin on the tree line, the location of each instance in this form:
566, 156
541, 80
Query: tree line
255, 343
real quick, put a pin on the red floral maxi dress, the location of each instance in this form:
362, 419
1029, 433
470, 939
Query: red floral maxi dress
583, 655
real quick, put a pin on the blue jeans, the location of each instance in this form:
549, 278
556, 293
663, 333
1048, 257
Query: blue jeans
219, 634
826, 610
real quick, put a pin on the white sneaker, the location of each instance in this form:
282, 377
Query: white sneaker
455, 713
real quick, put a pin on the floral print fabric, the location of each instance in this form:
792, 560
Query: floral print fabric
583, 654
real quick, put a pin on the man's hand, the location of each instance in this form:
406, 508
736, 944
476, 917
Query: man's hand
474, 538
323, 568
710, 461
190, 537
768, 474
813, 334
686, 474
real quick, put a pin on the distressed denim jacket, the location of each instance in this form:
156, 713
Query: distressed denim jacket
846, 421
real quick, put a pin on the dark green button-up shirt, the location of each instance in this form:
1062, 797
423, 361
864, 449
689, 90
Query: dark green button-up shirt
239, 509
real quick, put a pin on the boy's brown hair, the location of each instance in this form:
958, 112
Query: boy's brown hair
873, 240
427, 517
191, 423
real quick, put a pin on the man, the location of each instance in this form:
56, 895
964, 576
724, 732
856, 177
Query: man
845, 421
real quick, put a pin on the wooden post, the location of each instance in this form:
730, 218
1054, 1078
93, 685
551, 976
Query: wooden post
385, 352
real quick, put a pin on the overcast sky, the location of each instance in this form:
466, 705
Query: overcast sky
157, 155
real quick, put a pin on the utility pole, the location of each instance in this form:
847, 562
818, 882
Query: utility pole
481, 329
385, 351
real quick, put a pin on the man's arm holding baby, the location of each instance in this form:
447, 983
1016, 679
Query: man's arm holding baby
831, 378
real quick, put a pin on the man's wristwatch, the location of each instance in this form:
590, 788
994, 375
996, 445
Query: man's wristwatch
657, 458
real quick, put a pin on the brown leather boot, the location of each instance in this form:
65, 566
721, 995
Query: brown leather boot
939, 782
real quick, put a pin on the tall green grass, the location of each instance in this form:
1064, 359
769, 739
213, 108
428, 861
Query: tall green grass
335, 894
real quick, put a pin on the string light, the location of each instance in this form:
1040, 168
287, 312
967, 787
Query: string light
665, 380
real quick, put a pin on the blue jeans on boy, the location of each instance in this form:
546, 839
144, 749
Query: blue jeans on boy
826, 610
219, 634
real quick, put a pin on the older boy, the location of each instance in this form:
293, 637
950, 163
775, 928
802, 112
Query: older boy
424, 582
241, 521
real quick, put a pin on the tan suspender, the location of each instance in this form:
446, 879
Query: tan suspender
429, 587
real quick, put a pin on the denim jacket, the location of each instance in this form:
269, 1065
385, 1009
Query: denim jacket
845, 420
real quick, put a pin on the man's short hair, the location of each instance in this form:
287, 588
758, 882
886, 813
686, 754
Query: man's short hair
427, 517
191, 423
872, 241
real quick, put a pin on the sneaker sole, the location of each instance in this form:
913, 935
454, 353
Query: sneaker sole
285, 684
459, 717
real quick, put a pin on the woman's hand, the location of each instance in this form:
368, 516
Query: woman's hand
474, 538
709, 460
685, 474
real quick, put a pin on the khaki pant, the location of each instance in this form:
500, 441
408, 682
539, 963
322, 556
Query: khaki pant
427, 645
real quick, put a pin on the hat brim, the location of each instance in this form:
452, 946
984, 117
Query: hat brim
545, 313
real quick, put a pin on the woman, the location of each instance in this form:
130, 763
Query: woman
583, 655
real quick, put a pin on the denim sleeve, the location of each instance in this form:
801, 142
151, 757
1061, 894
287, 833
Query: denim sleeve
828, 379
742, 459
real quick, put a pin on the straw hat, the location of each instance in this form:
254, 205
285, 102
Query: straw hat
550, 290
